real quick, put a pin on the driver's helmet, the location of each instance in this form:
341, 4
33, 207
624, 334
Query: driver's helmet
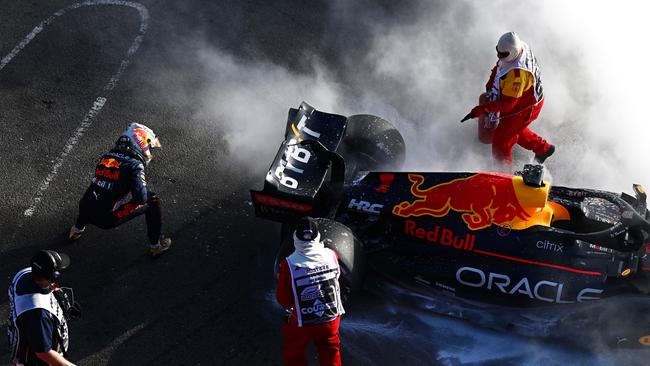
140, 140
509, 47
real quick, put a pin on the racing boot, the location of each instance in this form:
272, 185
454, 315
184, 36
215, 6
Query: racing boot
541, 158
159, 249
75, 234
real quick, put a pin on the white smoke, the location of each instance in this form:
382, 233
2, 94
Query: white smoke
433, 69
250, 101
426, 73
612, 131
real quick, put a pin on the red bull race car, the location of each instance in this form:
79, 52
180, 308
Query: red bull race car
507, 251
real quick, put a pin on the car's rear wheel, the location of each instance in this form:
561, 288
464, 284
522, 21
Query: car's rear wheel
371, 143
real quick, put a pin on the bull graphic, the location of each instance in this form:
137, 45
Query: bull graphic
110, 163
484, 199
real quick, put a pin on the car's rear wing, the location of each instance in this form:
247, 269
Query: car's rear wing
295, 182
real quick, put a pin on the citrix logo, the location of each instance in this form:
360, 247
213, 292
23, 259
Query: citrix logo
547, 245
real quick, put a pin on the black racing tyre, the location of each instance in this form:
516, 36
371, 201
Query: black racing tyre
349, 249
371, 143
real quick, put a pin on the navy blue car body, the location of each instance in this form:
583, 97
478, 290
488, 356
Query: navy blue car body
490, 240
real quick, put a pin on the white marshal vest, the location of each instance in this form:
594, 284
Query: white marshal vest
526, 61
316, 288
22, 303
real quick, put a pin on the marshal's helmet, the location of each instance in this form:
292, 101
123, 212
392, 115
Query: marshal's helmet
306, 229
140, 140
509, 47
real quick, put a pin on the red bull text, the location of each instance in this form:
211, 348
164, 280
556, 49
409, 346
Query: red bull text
440, 235
126, 210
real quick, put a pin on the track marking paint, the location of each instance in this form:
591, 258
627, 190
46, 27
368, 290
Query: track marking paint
104, 354
72, 141
99, 101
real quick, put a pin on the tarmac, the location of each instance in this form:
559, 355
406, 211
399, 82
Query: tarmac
73, 75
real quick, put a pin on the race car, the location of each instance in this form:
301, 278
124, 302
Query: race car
498, 249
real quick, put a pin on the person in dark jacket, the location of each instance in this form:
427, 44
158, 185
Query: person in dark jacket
308, 289
118, 191
38, 312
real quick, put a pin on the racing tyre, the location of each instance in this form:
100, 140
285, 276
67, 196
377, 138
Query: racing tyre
341, 240
371, 143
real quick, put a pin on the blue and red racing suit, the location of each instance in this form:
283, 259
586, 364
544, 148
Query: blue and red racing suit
118, 193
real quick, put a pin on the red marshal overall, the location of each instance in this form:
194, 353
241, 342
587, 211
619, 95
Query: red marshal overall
515, 98
308, 285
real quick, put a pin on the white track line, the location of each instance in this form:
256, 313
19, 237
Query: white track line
99, 101
103, 356
72, 141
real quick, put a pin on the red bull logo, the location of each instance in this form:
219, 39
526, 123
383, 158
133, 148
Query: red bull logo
126, 210
483, 199
108, 168
110, 163
141, 136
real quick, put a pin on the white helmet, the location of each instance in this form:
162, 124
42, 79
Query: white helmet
509, 47
139, 139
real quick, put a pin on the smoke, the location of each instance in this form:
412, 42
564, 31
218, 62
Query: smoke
425, 71
373, 330
611, 131
422, 65
251, 100
433, 68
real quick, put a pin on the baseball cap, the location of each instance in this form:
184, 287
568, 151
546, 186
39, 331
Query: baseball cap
48, 263
306, 228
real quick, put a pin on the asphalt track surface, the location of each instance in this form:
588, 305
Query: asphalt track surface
73, 75
204, 302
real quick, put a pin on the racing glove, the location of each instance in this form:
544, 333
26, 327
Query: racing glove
154, 199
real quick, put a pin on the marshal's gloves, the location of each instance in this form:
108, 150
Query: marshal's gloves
154, 199
476, 112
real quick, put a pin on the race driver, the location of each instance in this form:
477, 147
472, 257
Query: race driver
118, 191
514, 98
308, 288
